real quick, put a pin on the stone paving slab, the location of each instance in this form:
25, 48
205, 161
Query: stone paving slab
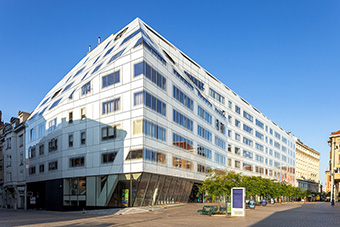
290, 214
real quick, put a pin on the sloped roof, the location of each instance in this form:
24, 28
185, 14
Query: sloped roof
335, 133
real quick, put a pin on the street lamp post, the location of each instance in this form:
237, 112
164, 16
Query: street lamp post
332, 171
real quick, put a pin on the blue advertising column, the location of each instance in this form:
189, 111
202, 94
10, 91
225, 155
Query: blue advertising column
238, 207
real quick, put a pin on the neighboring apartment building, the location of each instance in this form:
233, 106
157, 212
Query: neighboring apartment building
14, 162
1, 162
333, 171
307, 167
137, 122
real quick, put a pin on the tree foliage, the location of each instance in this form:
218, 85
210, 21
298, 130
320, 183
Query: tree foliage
219, 183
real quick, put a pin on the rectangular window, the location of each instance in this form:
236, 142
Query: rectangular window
237, 123
237, 137
154, 156
259, 123
153, 130
83, 113
277, 155
86, 88
183, 98
259, 135
277, 135
52, 145
202, 168
220, 142
111, 106
21, 160
247, 167
181, 163
70, 140
229, 119
237, 150
21, 140
32, 170
52, 125
70, 117
41, 168
150, 73
247, 129
138, 69
111, 79
138, 98
229, 133
182, 120
41, 149
247, 141
137, 127
277, 145
31, 153
41, 129
259, 158
230, 162
204, 133
203, 151
83, 138
182, 142
237, 109
247, 154
77, 162
219, 158
109, 157
230, 104
259, 147
216, 96
135, 154
204, 114
247, 116
237, 164
109, 132
53, 166
154, 103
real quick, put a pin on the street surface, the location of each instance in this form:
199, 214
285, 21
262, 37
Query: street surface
290, 214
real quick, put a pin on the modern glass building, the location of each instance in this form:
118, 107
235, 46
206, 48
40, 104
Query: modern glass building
137, 122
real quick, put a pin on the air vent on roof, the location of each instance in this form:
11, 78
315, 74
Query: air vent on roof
89, 50
121, 34
170, 58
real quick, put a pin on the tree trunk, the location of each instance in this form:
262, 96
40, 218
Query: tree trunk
219, 203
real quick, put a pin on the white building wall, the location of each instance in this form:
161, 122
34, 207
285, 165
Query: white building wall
128, 113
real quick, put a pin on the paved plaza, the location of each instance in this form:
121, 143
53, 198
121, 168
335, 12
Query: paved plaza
288, 214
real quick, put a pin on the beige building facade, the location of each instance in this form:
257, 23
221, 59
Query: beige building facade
306, 167
333, 172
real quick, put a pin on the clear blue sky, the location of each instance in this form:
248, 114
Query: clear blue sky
281, 56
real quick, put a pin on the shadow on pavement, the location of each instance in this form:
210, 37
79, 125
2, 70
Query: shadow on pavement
310, 214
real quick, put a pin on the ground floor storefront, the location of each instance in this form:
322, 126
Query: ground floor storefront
14, 196
116, 190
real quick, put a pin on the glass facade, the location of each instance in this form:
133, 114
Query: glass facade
125, 190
